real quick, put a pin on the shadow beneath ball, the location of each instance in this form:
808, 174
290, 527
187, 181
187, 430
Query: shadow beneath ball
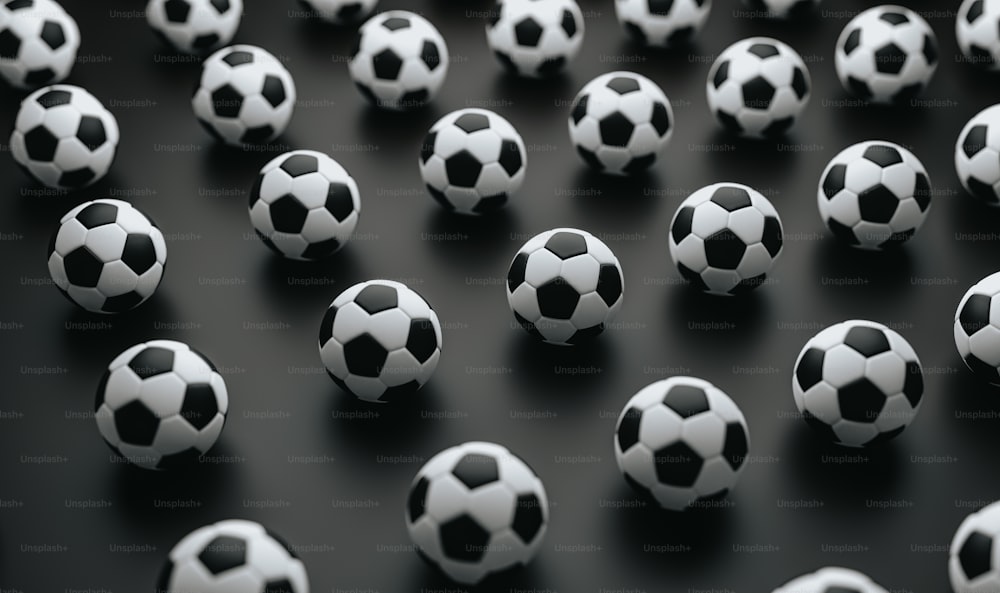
749, 160
382, 427
482, 238
867, 120
97, 338
871, 273
720, 323
235, 167
318, 35
396, 132
562, 373
317, 282
617, 198
655, 60
976, 407
520, 577
974, 224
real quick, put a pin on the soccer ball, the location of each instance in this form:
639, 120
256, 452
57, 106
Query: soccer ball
380, 341
972, 567
886, 54
64, 137
340, 12
681, 440
38, 43
620, 123
725, 238
784, 9
564, 285
106, 256
399, 60
757, 87
874, 194
304, 205
476, 509
858, 383
662, 23
472, 160
195, 26
977, 28
234, 556
977, 328
977, 156
161, 404
533, 38
831, 579
245, 96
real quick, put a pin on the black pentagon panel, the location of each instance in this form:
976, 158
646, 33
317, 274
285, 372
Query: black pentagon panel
681, 36
660, 119
279, 586
349, 12
528, 326
660, 7
421, 342
163, 578
377, 297
136, 424
681, 226
463, 169
41, 144
590, 158
257, 134
644, 493
868, 341
974, 12
975, 314
39, 76
76, 178
861, 401
387, 64
300, 164
819, 426
691, 276
907, 93
472, 122
878, 204
557, 299
772, 238
975, 140
97, 214
736, 448
568, 24
427, 148
223, 553
238, 58
551, 65
616, 129
835, 180
639, 163
778, 127
102, 385
981, 190
809, 371
52, 34
510, 157
883, 155
763, 50
515, 275
586, 334
355, 48
623, 85
724, 250
365, 356
463, 539
414, 98
416, 503
139, 253
440, 198
839, 589
505, 61
476, 469
182, 459
396, 23
799, 83
635, 32
528, 517
843, 232
206, 41
859, 87
566, 245
494, 15
177, 11
975, 555
628, 429
83, 268
677, 465
528, 32
490, 203
267, 241
10, 44
913, 386
339, 201
732, 198
579, 108
721, 74
288, 214
922, 192
930, 50
890, 59
894, 18
152, 361
326, 326
609, 284
321, 249
227, 101
981, 368
883, 437
19, 4
686, 400
200, 406
220, 6
273, 90
758, 93
430, 55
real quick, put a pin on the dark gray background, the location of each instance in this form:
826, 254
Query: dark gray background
554, 407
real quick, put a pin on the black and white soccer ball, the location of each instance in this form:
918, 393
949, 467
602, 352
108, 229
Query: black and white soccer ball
245, 96
977, 328
725, 238
886, 54
832, 579
874, 194
977, 28
304, 205
858, 383
535, 39
472, 160
620, 123
399, 60
977, 156
106, 256
564, 285
161, 404
64, 137
233, 556
681, 440
476, 509
758, 87
783, 9
973, 566
662, 23
38, 43
195, 26
341, 12
380, 341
